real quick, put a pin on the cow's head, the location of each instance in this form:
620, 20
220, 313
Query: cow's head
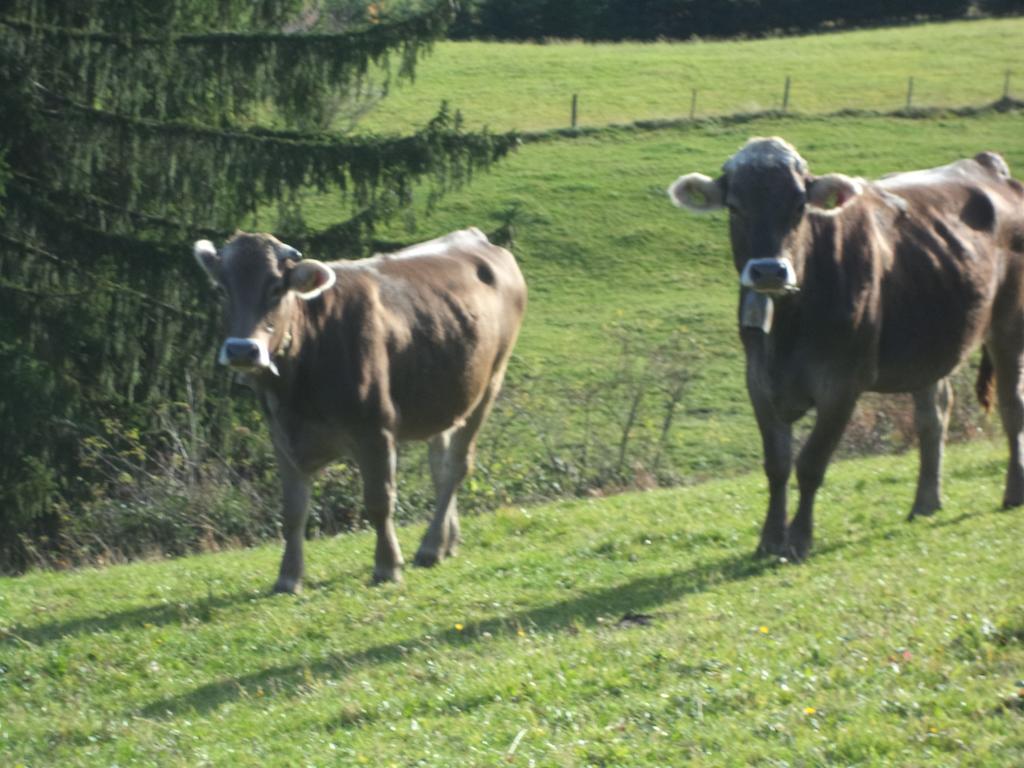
262, 279
769, 193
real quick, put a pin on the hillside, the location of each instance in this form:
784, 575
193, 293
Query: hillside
629, 294
896, 644
529, 87
628, 372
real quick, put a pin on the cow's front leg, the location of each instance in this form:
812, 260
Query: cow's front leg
777, 445
377, 467
932, 406
777, 442
295, 487
811, 464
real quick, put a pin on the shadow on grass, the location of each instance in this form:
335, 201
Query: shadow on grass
200, 610
637, 595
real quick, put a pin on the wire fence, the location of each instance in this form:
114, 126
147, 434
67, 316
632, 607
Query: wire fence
577, 105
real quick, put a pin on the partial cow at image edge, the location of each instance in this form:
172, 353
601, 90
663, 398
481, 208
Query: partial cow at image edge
848, 286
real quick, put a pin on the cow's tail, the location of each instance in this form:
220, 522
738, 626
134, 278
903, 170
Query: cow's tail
985, 386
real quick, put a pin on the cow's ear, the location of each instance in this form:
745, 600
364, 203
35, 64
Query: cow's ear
286, 252
698, 192
310, 278
206, 254
833, 190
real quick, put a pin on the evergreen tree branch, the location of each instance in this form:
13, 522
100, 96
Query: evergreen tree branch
226, 173
213, 75
375, 38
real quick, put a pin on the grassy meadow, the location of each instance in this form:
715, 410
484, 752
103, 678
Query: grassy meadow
630, 296
634, 630
529, 87
628, 371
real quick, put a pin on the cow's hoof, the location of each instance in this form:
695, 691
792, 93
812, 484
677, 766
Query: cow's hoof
923, 510
287, 586
797, 548
425, 559
392, 575
1012, 500
770, 549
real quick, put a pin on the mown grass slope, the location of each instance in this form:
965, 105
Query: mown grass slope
625, 287
633, 301
529, 87
896, 644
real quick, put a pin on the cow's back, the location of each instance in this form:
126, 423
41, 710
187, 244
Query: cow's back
942, 237
424, 331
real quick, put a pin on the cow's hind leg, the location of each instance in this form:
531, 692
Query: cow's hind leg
447, 469
452, 453
295, 488
1008, 359
932, 406
377, 467
441, 467
451, 461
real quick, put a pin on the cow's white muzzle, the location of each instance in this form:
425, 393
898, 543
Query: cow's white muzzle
771, 276
246, 355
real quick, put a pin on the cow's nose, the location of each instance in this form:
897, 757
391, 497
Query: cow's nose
769, 275
768, 272
241, 352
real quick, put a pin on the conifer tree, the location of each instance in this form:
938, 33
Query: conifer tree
129, 129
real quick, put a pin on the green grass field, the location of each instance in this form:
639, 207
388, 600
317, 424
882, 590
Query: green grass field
529, 87
896, 644
626, 291
610, 261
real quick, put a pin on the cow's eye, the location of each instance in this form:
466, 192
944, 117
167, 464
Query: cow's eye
799, 204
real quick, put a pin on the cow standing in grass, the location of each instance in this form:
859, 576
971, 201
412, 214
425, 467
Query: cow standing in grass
349, 358
849, 286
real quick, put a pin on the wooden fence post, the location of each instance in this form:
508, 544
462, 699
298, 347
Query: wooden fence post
1006, 86
785, 96
575, 108
910, 92
693, 104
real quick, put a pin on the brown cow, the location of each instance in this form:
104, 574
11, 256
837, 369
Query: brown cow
348, 358
850, 286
